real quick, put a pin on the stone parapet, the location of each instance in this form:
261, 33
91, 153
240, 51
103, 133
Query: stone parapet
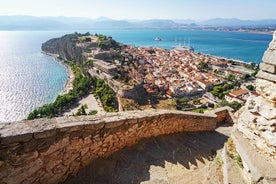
51, 150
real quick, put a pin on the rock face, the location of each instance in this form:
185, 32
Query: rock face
65, 47
257, 120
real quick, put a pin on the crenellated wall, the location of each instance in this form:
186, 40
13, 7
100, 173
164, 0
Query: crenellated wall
51, 150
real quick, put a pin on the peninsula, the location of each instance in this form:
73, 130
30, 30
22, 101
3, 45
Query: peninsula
124, 77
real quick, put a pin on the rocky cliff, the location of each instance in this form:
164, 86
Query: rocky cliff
64, 47
254, 134
258, 118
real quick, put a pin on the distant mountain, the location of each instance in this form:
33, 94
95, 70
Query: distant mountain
237, 22
156, 23
105, 24
184, 21
79, 23
29, 23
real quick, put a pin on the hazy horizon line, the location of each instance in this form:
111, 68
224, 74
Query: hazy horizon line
105, 17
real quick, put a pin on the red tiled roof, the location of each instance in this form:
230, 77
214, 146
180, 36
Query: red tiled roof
239, 92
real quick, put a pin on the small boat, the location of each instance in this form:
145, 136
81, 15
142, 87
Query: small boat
158, 39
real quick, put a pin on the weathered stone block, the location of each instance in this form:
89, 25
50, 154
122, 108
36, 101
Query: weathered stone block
99, 125
19, 174
269, 137
131, 121
60, 169
45, 134
40, 145
23, 159
268, 68
87, 140
258, 105
270, 57
16, 138
270, 54
266, 76
58, 145
114, 124
75, 144
266, 89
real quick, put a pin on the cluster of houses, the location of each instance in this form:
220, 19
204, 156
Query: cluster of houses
176, 72
172, 72
239, 96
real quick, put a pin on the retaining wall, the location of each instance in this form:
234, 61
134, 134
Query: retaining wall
51, 150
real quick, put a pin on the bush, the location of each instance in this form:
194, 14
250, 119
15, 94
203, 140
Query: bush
81, 87
81, 111
105, 94
220, 90
250, 87
93, 112
234, 105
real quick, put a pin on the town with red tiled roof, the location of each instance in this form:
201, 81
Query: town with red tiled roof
176, 72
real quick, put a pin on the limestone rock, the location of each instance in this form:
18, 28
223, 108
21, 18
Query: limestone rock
267, 89
270, 54
257, 119
270, 137
268, 68
266, 76
256, 105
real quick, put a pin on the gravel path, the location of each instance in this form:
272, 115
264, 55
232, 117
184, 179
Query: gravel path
92, 103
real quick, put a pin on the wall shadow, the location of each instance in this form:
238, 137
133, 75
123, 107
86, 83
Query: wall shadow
132, 164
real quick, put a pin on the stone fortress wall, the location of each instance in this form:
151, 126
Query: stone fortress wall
51, 150
257, 119
254, 133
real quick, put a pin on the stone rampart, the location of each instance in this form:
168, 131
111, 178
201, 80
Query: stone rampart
51, 150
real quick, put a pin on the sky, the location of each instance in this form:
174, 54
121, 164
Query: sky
143, 9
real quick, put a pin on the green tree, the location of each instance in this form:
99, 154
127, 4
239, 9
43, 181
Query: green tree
235, 105
231, 77
247, 76
250, 87
203, 65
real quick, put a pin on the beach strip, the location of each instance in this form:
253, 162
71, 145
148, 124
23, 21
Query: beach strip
69, 83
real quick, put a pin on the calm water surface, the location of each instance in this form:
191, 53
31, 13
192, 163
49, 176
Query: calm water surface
28, 79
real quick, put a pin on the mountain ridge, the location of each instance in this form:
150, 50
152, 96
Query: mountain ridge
26, 22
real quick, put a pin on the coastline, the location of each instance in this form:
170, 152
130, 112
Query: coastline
89, 100
69, 83
256, 32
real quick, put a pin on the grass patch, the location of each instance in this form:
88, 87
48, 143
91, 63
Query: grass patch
199, 110
93, 112
232, 152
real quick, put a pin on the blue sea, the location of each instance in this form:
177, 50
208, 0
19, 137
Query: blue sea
29, 79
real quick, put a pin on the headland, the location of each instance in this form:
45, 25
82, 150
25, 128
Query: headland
145, 78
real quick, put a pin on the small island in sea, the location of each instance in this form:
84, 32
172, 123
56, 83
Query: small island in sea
107, 76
